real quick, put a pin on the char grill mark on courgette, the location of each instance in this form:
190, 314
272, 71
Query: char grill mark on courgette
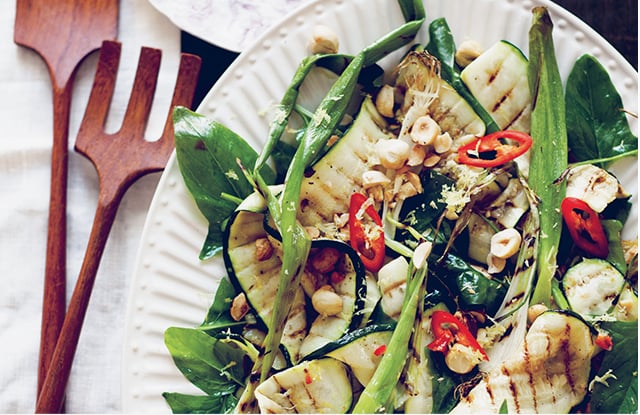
548, 374
317, 386
454, 115
323, 186
520, 121
338, 173
442, 114
592, 286
498, 80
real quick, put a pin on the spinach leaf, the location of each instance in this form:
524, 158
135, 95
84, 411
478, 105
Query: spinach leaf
218, 317
282, 154
474, 289
597, 126
621, 394
618, 210
444, 385
613, 228
212, 365
208, 155
422, 210
219, 403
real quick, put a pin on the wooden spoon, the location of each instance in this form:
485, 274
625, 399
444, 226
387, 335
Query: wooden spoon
63, 33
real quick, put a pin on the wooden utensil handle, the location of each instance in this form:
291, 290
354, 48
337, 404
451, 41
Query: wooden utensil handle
54, 297
53, 389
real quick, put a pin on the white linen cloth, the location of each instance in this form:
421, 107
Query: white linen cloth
26, 122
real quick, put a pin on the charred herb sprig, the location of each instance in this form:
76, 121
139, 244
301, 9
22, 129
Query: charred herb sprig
549, 152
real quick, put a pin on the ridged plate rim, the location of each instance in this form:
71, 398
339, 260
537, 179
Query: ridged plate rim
171, 286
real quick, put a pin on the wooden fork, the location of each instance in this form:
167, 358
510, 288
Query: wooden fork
63, 33
120, 159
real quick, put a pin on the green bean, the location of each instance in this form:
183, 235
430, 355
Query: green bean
392, 41
412, 9
336, 62
376, 395
296, 243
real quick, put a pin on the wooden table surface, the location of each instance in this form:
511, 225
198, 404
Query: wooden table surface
615, 20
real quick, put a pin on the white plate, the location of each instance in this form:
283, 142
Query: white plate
230, 24
171, 287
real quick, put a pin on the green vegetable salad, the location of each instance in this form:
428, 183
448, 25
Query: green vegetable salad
445, 237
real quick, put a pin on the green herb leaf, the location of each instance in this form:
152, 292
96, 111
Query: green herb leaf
613, 229
422, 210
208, 155
219, 403
210, 364
444, 385
621, 394
473, 287
390, 42
218, 317
412, 9
618, 210
597, 126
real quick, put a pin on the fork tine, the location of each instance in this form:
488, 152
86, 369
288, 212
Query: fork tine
184, 90
159, 151
144, 87
95, 116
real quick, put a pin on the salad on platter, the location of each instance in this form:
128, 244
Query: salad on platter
440, 237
